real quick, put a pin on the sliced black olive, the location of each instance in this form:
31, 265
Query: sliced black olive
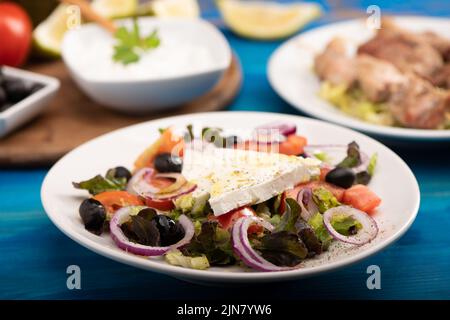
93, 215
166, 162
341, 177
170, 231
16, 89
119, 172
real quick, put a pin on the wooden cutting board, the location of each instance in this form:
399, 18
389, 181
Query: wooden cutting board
72, 119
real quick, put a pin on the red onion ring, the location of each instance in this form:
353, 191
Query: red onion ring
285, 128
123, 243
139, 185
243, 249
307, 204
179, 181
369, 227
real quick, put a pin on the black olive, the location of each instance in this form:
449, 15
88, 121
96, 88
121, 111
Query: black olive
166, 162
119, 172
16, 89
341, 177
3, 98
36, 87
93, 215
170, 231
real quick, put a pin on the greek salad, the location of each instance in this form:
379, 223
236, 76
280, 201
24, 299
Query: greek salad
267, 201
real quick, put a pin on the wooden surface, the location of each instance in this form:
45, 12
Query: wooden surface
35, 254
71, 118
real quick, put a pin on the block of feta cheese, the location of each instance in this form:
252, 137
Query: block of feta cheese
235, 178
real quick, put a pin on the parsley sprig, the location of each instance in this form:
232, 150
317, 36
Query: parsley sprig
130, 44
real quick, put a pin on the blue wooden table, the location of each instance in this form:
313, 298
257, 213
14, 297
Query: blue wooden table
34, 255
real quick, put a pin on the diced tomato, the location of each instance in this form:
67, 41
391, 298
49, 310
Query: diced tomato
338, 192
168, 142
114, 200
227, 220
362, 198
323, 173
163, 205
293, 145
282, 206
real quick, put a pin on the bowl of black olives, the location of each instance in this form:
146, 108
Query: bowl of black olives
23, 95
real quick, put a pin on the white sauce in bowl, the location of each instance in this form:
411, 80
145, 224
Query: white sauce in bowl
172, 58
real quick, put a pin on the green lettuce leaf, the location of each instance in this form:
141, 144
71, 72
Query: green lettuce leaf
282, 248
353, 157
289, 217
212, 241
99, 184
324, 199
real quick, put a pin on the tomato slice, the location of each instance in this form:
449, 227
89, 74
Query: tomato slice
163, 205
168, 142
282, 207
293, 145
114, 200
362, 198
227, 220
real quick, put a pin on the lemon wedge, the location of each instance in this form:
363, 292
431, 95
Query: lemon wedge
266, 20
176, 8
48, 35
114, 9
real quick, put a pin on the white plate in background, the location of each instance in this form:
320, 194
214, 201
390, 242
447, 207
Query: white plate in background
291, 75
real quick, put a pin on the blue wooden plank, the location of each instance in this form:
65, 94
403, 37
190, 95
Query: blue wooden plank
34, 254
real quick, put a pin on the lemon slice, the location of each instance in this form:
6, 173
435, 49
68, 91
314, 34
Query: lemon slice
267, 20
48, 35
114, 9
175, 8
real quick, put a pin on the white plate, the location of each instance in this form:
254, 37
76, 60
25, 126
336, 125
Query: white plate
290, 72
393, 182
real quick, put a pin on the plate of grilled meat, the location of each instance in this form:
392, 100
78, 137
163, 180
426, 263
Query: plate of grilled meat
392, 81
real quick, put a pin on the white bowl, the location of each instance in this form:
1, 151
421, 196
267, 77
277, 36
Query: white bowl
26, 109
132, 91
291, 75
393, 182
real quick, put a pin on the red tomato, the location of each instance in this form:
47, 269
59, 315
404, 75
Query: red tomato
282, 206
323, 173
227, 220
163, 205
293, 145
114, 200
338, 192
362, 198
15, 31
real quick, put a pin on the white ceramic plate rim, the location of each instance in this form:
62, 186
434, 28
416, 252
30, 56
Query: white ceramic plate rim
341, 118
204, 24
223, 276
